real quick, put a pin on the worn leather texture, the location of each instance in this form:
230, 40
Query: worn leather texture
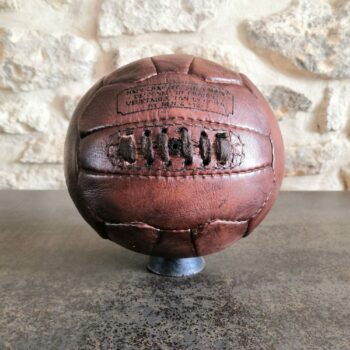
173, 156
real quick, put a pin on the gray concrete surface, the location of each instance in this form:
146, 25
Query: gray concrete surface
286, 286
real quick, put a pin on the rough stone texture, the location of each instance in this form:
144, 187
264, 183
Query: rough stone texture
286, 102
127, 54
44, 149
33, 60
313, 35
22, 115
345, 175
69, 104
214, 51
334, 109
310, 159
58, 4
135, 17
9, 5
33, 176
63, 287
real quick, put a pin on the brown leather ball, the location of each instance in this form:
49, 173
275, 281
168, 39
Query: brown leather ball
173, 156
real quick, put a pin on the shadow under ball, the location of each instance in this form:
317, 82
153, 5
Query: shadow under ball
173, 156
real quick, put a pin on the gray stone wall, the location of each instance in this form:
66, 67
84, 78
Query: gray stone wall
297, 53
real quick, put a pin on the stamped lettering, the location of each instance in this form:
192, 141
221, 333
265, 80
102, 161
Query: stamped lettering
175, 95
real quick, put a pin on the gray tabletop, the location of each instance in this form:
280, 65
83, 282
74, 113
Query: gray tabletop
286, 286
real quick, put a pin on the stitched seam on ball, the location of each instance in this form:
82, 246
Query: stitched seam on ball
193, 242
204, 79
231, 173
195, 233
133, 223
234, 162
247, 85
77, 160
145, 125
161, 230
201, 77
157, 241
189, 70
273, 184
96, 217
155, 66
180, 170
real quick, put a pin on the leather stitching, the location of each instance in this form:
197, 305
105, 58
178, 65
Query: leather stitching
145, 125
180, 229
189, 70
155, 66
229, 172
271, 191
231, 165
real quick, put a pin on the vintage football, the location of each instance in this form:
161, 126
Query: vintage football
173, 156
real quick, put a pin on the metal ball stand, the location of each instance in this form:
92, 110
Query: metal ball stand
176, 267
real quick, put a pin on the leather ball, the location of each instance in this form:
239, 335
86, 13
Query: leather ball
173, 156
